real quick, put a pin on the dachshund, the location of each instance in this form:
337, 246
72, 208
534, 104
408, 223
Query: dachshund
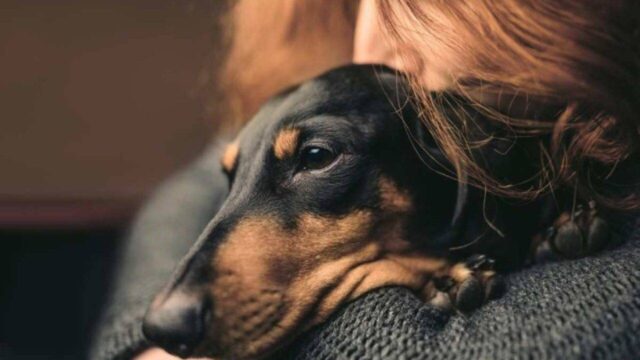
335, 190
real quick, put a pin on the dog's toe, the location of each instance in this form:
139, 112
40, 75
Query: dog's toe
468, 285
469, 295
441, 301
598, 234
568, 240
580, 234
494, 287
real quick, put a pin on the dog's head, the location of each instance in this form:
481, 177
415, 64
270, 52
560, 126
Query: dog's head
326, 194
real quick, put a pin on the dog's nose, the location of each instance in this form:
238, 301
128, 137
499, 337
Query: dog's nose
176, 323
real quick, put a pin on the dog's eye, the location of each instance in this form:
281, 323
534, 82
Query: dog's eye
315, 158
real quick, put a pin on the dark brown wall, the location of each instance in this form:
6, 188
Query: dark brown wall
98, 99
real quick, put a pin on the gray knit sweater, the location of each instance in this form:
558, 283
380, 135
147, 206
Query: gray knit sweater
579, 309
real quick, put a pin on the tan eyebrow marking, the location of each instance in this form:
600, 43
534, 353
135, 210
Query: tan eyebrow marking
393, 199
230, 156
286, 143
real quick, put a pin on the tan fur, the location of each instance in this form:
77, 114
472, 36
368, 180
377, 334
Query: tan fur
273, 281
286, 143
230, 157
315, 255
392, 198
486, 275
460, 272
562, 219
439, 299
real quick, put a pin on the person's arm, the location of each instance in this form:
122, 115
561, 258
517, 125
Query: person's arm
162, 233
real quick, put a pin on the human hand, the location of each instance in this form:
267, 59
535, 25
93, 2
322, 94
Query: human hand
159, 354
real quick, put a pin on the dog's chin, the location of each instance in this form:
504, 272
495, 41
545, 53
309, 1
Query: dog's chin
252, 320
246, 319
253, 324
255, 337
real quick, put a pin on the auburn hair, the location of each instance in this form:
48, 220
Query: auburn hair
274, 44
579, 57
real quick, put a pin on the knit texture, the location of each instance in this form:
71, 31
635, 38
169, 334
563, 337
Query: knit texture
574, 309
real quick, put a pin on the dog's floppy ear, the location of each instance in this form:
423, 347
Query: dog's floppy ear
462, 199
433, 156
426, 146
430, 152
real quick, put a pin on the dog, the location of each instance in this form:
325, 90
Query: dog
334, 191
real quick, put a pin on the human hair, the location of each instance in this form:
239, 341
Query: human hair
578, 57
576, 61
272, 45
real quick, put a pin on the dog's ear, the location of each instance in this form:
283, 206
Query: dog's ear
426, 144
423, 142
462, 199
434, 157
451, 234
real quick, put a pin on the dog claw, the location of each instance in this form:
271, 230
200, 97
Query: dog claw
479, 262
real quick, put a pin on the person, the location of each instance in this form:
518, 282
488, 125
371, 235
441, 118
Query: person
565, 72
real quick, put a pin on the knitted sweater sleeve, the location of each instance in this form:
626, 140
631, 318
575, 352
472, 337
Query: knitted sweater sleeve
162, 233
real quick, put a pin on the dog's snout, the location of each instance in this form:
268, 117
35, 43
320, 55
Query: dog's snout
177, 322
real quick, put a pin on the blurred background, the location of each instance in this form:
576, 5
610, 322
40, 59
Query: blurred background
99, 101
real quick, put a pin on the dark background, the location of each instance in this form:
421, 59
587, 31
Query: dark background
99, 101
53, 284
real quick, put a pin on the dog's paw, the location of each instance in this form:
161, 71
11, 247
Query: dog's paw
467, 285
579, 235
